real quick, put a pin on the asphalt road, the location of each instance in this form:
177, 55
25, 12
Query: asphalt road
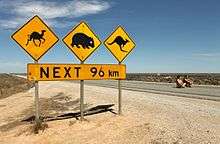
197, 91
206, 92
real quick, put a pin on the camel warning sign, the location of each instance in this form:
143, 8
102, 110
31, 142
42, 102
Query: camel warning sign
119, 44
55, 72
35, 37
82, 41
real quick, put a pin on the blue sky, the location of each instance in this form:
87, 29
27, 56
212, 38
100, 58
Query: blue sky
170, 35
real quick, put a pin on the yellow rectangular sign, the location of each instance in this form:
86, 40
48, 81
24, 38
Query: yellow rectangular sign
57, 72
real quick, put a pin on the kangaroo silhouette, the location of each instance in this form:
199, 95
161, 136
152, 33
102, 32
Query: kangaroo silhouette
36, 36
83, 40
120, 42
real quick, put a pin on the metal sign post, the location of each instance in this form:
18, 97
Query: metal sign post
82, 98
37, 110
119, 96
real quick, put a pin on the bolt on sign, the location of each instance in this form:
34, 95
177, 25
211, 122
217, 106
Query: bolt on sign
55, 72
35, 37
119, 44
82, 41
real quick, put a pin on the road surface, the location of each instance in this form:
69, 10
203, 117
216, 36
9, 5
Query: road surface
197, 91
207, 92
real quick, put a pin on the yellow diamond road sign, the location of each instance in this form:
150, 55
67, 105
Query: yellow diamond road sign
35, 37
82, 41
119, 44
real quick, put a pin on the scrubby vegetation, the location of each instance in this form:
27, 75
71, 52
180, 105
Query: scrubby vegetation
10, 84
198, 78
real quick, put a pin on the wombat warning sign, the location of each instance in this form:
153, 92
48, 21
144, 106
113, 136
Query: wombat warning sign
82, 41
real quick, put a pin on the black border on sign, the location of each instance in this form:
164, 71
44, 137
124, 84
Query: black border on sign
92, 33
75, 64
129, 38
24, 26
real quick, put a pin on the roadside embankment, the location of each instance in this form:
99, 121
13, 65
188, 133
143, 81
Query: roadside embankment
10, 84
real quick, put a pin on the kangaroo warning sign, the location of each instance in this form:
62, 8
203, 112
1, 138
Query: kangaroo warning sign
119, 44
56, 72
35, 37
82, 41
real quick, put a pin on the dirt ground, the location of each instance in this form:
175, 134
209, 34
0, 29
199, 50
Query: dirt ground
147, 118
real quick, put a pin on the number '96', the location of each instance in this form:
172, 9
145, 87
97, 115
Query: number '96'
94, 72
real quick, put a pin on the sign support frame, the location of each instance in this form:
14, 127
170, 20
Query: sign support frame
36, 101
82, 98
119, 34
119, 96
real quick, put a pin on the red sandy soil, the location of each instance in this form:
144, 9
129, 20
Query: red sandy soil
147, 118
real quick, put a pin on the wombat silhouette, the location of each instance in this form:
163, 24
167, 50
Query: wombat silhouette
120, 42
83, 40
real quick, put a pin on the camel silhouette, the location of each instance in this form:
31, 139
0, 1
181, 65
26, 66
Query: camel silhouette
36, 36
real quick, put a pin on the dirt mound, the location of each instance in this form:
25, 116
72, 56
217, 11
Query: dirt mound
10, 84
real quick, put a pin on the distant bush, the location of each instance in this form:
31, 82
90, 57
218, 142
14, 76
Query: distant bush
198, 78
